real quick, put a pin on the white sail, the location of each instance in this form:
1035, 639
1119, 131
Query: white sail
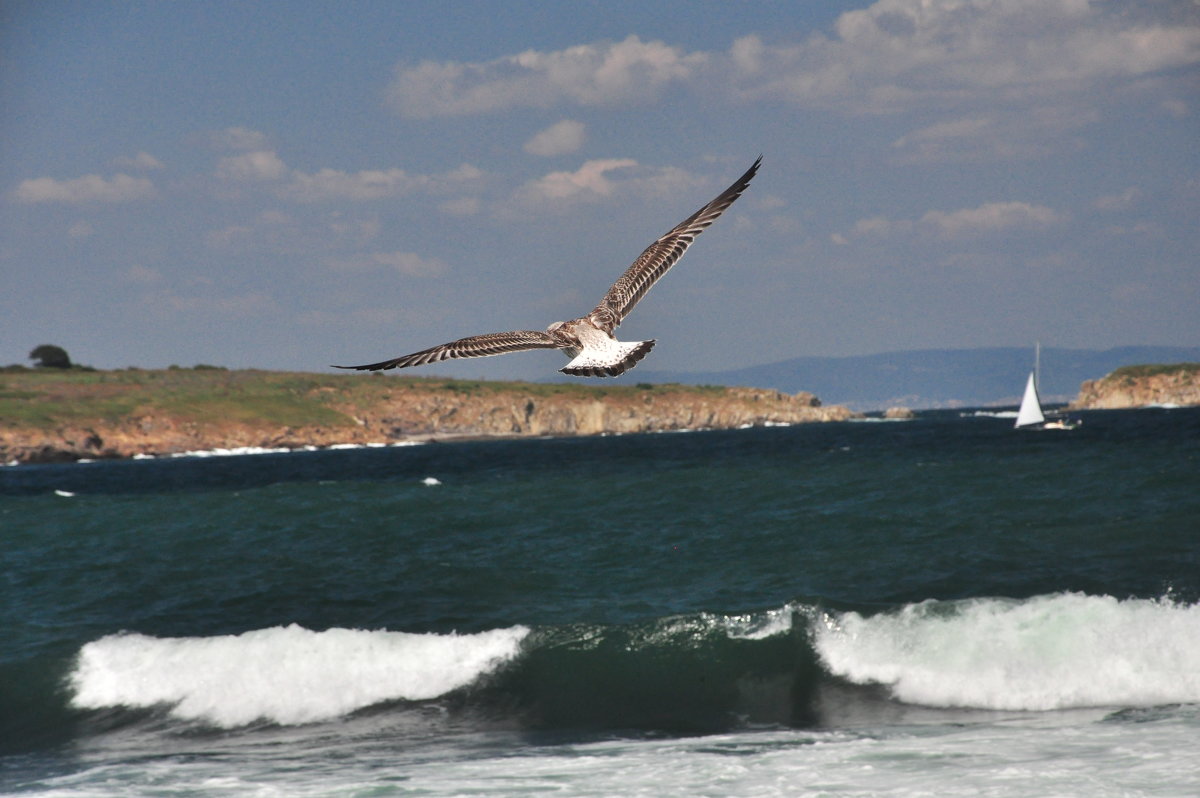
1031, 408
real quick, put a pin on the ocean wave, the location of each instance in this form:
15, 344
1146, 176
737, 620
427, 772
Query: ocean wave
285, 675
1058, 651
243, 451
694, 672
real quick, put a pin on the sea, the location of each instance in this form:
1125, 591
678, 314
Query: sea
943, 606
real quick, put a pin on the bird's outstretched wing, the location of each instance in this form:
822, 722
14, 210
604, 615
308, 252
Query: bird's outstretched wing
660, 256
474, 346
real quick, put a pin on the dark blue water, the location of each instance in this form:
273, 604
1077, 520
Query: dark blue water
673, 584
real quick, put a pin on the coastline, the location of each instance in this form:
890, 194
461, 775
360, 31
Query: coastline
73, 416
1175, 385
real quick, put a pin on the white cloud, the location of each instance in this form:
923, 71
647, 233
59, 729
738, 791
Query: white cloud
280, 232
932, 142
1176, 108
881, 226
899, 53
460, 206
265, 166
463, 173
604, 179
409, 264
353, 229
327, 184
267, 227
1144, 228
892, 56
256, 165
81, 229
1118, 202
589, 180
238, 138
143, 160
370, 184
587, 74
89, 188
558, 139
1007, 134
142, 275
241, 306
991, 217
228, 236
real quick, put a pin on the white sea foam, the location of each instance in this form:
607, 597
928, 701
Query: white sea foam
240, 451
286, 675
760, 625
1068, 756
232, 452
1049, 652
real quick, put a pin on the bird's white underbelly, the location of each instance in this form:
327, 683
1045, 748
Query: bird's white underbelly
599, 349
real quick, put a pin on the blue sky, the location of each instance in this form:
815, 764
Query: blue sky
287, 185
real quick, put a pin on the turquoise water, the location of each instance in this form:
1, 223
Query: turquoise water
943, 605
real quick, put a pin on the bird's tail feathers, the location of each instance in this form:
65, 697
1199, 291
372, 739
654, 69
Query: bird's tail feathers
625, 355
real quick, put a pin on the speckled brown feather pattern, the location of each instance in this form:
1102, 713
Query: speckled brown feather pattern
472, 346
660, 256
589, 340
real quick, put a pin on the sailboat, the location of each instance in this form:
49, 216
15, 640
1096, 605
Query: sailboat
1030, 416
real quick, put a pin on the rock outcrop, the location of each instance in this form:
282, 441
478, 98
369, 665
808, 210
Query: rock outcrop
366, 410
1140, 386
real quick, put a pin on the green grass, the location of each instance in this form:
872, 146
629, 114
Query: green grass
1154, 370
45, 398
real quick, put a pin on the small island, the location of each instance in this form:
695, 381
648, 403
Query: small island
67, 414
1142, 386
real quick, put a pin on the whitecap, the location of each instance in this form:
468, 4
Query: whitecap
287, 675
1066, 650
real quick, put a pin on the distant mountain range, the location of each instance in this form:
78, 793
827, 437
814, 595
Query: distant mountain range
933, 378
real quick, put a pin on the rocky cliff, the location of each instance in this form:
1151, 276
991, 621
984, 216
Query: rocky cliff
45, 418
1139, 386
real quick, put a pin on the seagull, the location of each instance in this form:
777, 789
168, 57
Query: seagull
589, 340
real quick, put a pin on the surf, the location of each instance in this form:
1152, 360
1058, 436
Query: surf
1051, 652
286, 675
698, 672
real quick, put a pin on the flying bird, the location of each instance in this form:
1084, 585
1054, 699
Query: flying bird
589, 340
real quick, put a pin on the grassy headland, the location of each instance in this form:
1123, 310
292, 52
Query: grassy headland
59, 414
1139, 386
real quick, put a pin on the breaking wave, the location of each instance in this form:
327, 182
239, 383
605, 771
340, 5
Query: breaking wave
1048, 652
700, 671
286, 675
